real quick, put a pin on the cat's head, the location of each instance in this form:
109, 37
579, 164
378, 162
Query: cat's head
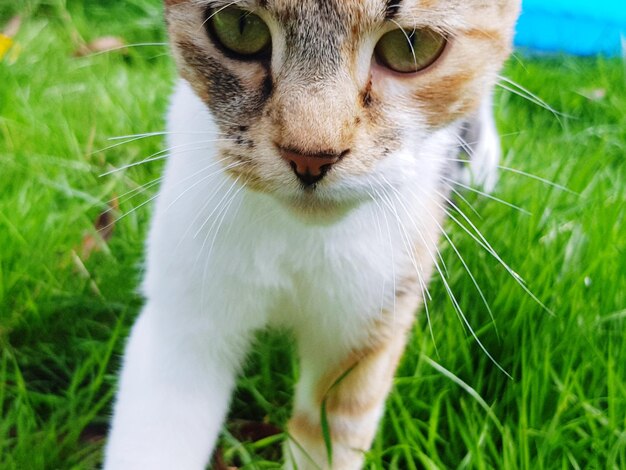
322, 101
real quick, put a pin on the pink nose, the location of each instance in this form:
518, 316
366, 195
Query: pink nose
310, 168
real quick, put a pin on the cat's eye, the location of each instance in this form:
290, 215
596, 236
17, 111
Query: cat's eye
239, 32
409, 51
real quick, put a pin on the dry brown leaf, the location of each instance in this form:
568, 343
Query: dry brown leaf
94, 433
252, 431
82, 271
100, 45
218, 461
104, 225
242, 430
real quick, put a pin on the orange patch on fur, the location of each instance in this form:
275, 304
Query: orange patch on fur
360, 383
448, 98
303, 428
485, 35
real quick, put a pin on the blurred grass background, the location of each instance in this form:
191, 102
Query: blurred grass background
65, 306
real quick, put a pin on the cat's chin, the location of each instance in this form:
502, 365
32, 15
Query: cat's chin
317, 211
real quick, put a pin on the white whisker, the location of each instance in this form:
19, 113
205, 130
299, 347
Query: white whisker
482, 241
218, 220
423, 286
392, 254
161, 154
380, 240
134, 192
487, 195
463, 198
203, 179
519, 90
128, 46
539, 178
458, 253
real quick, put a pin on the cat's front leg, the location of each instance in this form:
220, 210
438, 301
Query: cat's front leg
175, 387
351, 389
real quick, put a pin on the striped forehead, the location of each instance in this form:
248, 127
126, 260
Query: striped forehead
362, 13
316, 31
355, 10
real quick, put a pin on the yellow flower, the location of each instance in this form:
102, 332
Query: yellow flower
5, 44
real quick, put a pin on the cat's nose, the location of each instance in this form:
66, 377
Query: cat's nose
310, 168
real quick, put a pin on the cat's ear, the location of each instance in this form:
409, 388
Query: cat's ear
480, 142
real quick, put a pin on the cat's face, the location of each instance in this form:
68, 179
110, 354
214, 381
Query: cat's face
374, 88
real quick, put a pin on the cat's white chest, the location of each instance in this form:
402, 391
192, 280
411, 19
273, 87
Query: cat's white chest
217, 246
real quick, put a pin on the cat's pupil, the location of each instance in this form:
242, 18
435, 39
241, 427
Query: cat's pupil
410, 43
242, 23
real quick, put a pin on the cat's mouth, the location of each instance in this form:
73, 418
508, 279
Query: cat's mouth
311, 186
319, 196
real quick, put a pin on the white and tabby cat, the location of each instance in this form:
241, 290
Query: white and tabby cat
304, 189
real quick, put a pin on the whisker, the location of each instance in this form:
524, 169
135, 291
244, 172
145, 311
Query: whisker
380, 240
463, 318
220, 216
539, 178
208, 217
408, 39
156, 181
127, 46
463, 198
463, 262
139, 136
512, 170
237, 209
519, 90
203, 179
392, 254
118, 144
219, 10
482, 241
226, 209
162, 154
405, 239
217, 210
423, 286
126, 214
206, 204
487, 195
415, 225
137, 190
451, 295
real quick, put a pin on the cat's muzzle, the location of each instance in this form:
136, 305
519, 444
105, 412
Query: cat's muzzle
311, 168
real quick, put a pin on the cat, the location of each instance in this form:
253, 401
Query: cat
309, 142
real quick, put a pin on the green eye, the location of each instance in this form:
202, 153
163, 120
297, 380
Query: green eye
239, 31
409, 51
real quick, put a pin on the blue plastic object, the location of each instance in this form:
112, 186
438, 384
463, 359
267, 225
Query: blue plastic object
582, 27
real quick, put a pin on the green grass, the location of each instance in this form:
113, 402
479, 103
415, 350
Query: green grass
63, 320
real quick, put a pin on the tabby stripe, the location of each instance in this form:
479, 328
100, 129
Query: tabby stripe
393, 6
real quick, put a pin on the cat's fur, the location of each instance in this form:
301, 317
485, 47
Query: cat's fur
238, 244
